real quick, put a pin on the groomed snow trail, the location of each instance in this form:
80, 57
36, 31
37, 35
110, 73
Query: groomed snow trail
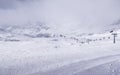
107, 65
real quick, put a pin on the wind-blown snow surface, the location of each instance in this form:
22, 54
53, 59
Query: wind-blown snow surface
59, 55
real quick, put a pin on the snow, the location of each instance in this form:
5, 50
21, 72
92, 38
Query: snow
45, 55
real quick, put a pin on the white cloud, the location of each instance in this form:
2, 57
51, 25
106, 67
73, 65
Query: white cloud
64, 14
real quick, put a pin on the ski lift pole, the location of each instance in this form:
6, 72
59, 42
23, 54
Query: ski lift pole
114, 37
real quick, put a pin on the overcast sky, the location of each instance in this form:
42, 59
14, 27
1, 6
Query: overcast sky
69, 14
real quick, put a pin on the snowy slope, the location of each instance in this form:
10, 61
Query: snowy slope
36, 50
41, 56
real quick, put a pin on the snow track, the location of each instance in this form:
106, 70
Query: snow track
80, 67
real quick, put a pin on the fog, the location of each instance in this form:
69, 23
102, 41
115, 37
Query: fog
61, 15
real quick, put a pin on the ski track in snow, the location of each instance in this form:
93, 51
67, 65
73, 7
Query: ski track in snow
81, 68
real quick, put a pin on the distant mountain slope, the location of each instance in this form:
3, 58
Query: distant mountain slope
30, 30
40, 30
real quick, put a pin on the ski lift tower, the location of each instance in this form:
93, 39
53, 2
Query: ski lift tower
114, 37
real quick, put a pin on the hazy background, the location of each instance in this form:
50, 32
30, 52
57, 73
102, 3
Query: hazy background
62, 15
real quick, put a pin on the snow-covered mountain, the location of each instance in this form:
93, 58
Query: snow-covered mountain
59, 37
24, 31
36, 49
40, 30
57, 54
114, 26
